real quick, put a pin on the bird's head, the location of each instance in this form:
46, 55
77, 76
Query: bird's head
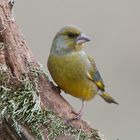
68, 39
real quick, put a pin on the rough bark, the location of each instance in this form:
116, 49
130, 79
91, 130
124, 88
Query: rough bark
16, 55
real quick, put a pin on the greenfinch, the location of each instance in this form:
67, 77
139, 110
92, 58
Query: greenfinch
72, 69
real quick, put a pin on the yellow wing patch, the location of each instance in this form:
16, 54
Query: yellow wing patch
98, 83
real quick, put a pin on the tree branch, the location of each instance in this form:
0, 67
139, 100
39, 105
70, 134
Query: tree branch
17, 57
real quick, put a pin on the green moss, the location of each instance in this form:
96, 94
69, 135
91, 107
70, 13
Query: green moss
22, 104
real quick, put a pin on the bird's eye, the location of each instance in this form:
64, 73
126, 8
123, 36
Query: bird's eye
70, 35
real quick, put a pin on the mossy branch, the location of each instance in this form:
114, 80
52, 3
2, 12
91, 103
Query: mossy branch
29, 102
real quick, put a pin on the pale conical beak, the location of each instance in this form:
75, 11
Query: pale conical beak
82, 38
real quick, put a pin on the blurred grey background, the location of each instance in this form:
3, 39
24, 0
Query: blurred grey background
114, 27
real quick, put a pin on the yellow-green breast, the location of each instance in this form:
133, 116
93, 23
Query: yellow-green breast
70, 74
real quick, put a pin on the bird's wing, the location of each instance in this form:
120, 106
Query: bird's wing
95, 75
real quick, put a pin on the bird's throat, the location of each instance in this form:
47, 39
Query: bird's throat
79, 47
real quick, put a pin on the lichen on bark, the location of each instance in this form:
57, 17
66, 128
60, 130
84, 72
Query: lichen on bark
22, 104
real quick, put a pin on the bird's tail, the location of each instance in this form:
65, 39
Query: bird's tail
107, 98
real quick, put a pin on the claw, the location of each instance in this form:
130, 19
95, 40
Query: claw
78, 115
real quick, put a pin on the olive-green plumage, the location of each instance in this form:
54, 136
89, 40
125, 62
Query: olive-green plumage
72, 69
69, 72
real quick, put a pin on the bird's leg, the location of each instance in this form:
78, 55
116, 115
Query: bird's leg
79, 114
81, 111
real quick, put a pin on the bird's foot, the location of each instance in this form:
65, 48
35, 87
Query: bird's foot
77, 116
55, 88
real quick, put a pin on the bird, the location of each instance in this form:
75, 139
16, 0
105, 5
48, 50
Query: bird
73, 70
